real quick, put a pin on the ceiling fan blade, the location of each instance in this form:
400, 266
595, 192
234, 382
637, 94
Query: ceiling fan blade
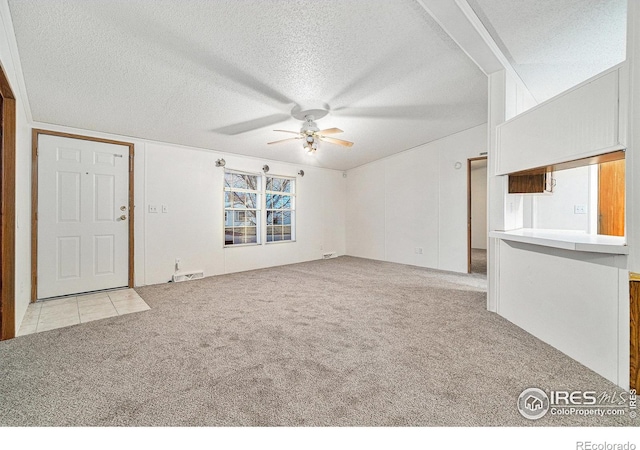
250, 125
284, 140
329, 131
287, 131
336, 141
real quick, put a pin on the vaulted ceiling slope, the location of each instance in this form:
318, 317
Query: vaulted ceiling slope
554, 45
223, 74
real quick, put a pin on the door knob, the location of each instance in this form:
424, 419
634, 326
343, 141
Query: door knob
123, 217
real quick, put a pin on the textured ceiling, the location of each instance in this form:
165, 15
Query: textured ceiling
200, 73
556, 44
222, 75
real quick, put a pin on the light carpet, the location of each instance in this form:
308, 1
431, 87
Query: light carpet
341, 342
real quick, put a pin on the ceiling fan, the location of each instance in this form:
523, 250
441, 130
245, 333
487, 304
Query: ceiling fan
310, 134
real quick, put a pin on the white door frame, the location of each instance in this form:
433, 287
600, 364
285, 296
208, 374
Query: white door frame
34, 201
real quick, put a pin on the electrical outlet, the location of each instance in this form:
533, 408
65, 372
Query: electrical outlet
418, 250
579, 209
153, 208
165, 208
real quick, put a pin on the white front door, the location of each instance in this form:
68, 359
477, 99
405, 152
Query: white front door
83, 212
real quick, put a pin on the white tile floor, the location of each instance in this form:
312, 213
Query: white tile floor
63, 312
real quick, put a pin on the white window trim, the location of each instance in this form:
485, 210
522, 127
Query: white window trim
260, 193
293, 195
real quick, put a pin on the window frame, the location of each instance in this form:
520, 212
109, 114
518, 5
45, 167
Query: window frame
259, 207
291, 209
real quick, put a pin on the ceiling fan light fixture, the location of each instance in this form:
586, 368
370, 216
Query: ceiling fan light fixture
310, 133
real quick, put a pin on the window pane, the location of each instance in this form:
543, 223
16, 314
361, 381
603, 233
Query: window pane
286, 217
269, 217
228, 179
250, 235
228, 218
238, 220
269, 200
277, 233
251, 200
238, 200
228, 236
281, 202
279, 184
286, 233
238, 235
277, 217
252, 182
228, 196
239, 181
251, 218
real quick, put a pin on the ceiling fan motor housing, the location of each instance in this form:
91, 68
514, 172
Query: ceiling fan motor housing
314, 108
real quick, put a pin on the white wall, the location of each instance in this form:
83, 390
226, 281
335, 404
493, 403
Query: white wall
556, 211
571, 300
575, 301
187, 181
584, 121
415, 199
23, 173
479, 205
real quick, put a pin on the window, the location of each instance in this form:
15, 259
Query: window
241, 208
280, 208
252, 205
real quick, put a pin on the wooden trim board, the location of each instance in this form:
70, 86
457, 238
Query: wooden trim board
605, 157
7, 209
34, 202
634, 325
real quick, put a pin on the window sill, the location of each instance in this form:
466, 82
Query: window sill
279, 242
241, 245
566, 239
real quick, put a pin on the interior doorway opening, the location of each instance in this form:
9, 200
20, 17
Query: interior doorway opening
477, 215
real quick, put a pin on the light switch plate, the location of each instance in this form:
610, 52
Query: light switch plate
579, 209
165, 209
153, 208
